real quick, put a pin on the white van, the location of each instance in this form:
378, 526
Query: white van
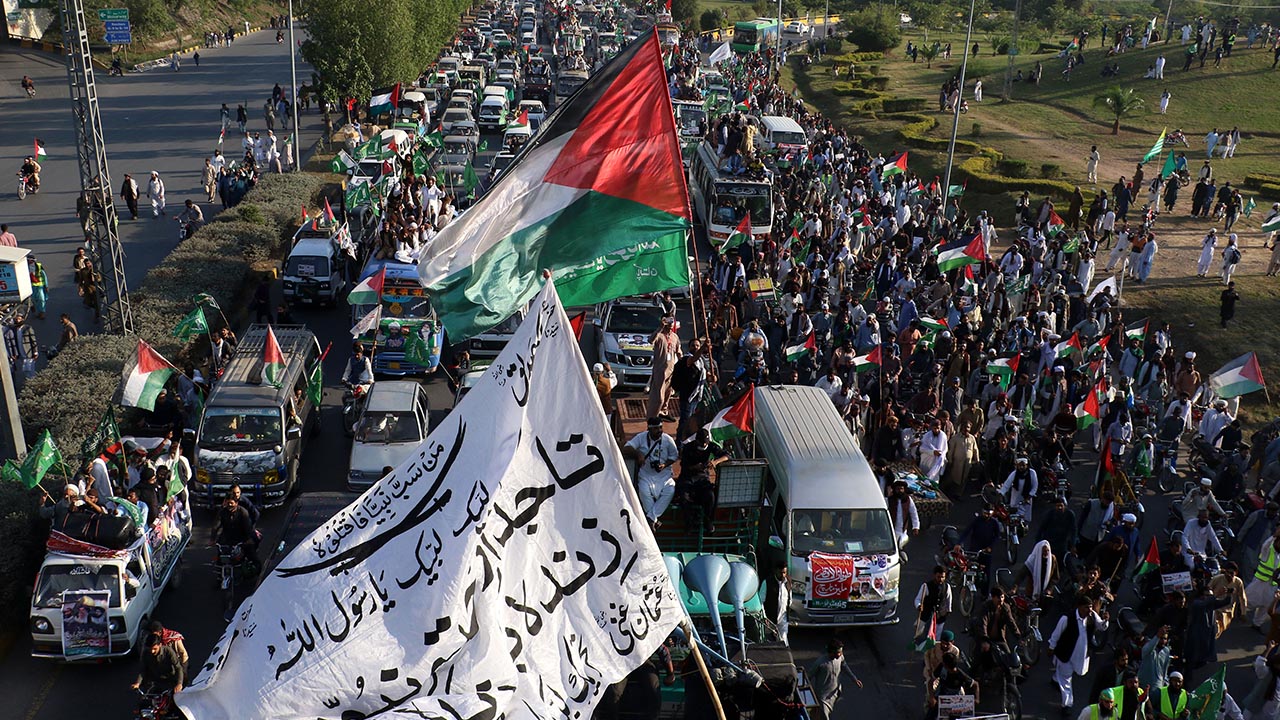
826, 500
493, 112
783, 135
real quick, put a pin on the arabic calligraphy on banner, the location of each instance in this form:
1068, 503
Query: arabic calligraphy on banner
505, 569
830, 579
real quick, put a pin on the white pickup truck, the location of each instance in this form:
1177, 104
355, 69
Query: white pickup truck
93, 602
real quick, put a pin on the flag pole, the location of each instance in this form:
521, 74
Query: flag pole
702, 669
702, 301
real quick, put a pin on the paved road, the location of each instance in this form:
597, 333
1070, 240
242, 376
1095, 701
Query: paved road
160, 120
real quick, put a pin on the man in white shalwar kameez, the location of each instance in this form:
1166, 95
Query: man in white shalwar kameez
933, 451
1069, 645
1207, 247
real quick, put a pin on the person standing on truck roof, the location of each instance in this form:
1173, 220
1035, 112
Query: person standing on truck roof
666, 351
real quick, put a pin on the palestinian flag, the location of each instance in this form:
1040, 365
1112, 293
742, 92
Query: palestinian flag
369, 291
736, 420
577, 322
598, 197
808, 347
932, 325
897, 167
1075, 44
1151, 562
1137, 331
740, 234
1238, 377
144, 377
961, 253
968, 286
328, 211
1156, 149
1101, 344
1066, 347
1271, 225
523, 120
40, 153
1055, 224
870, 361
272, 360
384, 100
1005, 369
1089, 411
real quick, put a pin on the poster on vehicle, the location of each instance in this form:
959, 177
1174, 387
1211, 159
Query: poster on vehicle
955, 706
1176, 581
86, 628
830, 580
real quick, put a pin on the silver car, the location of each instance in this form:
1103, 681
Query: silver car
391, 426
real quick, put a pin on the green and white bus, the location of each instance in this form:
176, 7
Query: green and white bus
753, 35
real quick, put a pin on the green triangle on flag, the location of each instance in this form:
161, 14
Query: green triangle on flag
272, 360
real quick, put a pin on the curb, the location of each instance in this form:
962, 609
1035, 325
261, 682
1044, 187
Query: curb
193, 48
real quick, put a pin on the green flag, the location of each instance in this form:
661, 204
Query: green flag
358, 195
191, 325
133, 511
435, 139
469, 179
955, 191
1169, 166
1205, 701
205, 299
41, 458
1249, 205
342, 162
1072, 245
315, 384
1018, 286
416, 350
11, 472
484, 145
420, 165
1154, 152
106, 433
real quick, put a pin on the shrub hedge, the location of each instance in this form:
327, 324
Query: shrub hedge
979, 173
916, 127
68, 395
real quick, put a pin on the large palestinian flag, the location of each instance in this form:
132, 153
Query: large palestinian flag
598, 197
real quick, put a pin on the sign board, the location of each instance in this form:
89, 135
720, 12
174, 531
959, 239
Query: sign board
1176, 581
15, 276
119, 38
954, 706
86, 629
109, 14
113, 26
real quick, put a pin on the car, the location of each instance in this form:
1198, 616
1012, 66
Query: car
471, 378
466, 128
796, 27
457, 150
624, 327
500, 163
390, 428
537, 112
453, 116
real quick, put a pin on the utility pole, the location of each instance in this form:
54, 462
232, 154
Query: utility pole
955, 125
100, 220
1007, 94
296, 160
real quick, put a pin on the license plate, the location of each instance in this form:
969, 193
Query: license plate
393, 365
844, 618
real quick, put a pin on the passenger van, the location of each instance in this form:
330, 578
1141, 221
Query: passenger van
826, 500
493, 112
252, 432
783, 135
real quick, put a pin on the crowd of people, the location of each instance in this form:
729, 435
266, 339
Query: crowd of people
980, 376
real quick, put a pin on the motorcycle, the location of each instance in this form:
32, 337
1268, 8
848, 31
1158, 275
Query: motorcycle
1012, 525
1027, 615
155, 705
184, 229
26, 186
353, 399
962, 568
234, 569
31, 91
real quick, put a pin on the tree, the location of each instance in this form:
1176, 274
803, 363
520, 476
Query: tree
684, 11
709, 20
929, 53
1118, 102
873, 30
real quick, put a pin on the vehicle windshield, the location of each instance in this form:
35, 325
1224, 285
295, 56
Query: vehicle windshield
569, 85
405, 301
241, 428
784, 137
857, 532
57, 579
388, 427
460, 147
634, 319
307, 266
730, 208
744, 36
691, 120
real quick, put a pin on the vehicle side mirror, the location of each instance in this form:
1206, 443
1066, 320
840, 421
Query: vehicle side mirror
294, 432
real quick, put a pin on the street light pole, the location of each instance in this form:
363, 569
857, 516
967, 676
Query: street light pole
296, 160
955, 124
777, 38
1007, 94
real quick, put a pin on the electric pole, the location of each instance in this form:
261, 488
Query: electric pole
99, 214
1007, 95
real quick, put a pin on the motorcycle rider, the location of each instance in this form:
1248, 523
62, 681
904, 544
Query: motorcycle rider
1201, 499
1020, 487
161, 667
31, 172
359, 372
191, 216
234, 526
29, 86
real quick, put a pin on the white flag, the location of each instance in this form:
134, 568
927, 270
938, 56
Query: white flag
368, 322
1108, 283
504, 570
720, 54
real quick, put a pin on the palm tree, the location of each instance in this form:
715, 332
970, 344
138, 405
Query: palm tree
929, 52
1119, 102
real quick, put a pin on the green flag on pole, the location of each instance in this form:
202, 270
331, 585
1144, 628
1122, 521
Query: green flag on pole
1249, 205
1169, 166
420, 165
435, 139
1154, 152
1205, 701
358, 195
484, 145
11, 472
315, 384
106, 433
469, 179
955, 191
40, 460
191, 325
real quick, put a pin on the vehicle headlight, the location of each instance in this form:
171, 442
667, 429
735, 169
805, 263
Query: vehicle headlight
202, 476
614, 357
116, 625
41, 625
271, 476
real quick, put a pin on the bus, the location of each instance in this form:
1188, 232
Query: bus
753, 35
723, 200
405, 303
668, 35
567, 83
691, 123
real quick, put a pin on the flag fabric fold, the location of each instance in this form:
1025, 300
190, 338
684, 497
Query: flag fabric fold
42, 458
272, 360
191, 325
736, 420
808, 347
1238, 377
598, 197
144, 377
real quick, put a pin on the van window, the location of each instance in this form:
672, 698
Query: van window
862, 532
240, 428
307, 266
57, 579
787, 137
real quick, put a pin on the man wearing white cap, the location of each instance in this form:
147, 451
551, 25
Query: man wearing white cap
1020, 487
1201, 499
1198, 536
1168, 703
155, 191
1215, 418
